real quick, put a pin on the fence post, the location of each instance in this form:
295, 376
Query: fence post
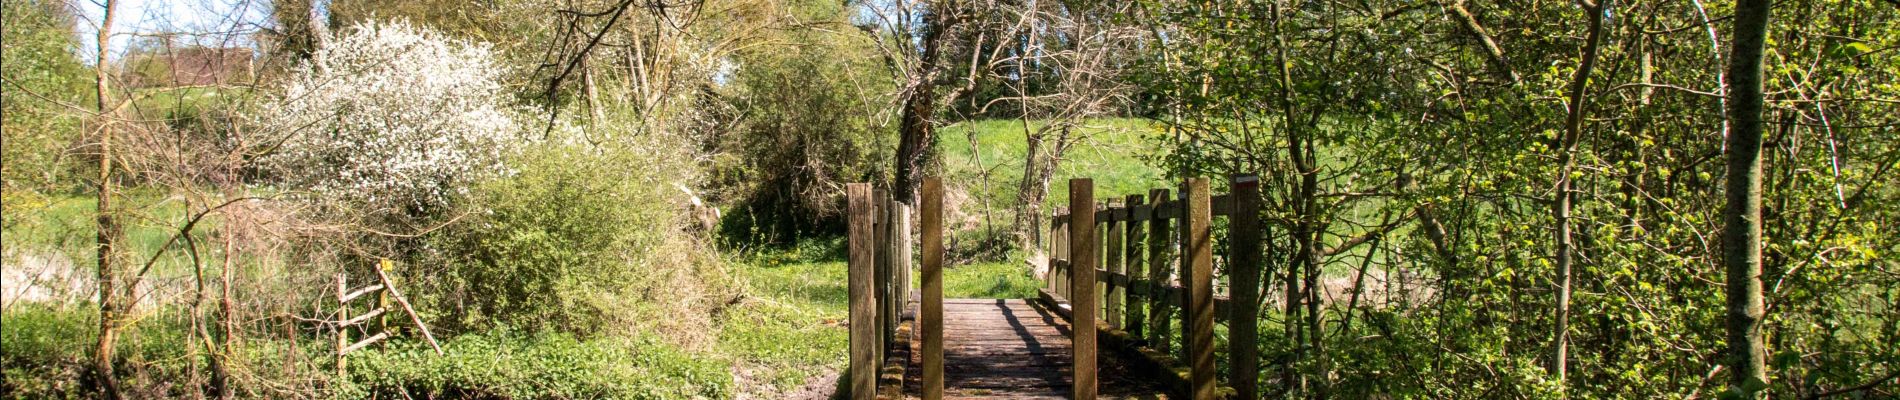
1132, 259
881, 269
1243, 327
1112, 298
863, 308
342, 314
931, 318
1082, 308
1159, 270
1199, 265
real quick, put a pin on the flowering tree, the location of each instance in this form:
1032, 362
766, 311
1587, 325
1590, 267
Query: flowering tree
393, 116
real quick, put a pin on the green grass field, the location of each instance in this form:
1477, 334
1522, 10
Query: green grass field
985, 159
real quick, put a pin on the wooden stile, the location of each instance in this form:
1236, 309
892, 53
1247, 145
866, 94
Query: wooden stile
931, 224
863, 306
1244, 264
1082, 258
1198, 262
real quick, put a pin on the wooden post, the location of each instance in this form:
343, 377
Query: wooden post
881, 269
1160, 269
1243, 327
1060, 273
1082, 285
1112, 298
382, 296
863, 306
1132, 258
931, 221
1198, 262
342, 332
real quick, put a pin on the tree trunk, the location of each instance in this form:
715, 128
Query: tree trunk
915, 130
107, 230
1741, 234
1560, 211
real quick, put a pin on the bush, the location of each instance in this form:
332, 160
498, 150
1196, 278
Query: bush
508, 365
581, 237
392, 119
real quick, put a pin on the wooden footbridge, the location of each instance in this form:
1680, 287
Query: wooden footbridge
1143, 265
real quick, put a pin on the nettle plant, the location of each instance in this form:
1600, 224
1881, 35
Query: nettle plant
393, 117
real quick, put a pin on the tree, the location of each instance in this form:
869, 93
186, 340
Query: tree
1742, 216
108, 229
392, 120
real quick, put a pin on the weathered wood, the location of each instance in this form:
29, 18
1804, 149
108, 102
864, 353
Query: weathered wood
382, 273
1243, 236
342, 332
361, 318
931, 221
1082, 258
1132, 245
353, 347
1112, 252
863, 306
1159, 270
881, 272
359, 293
1198, 262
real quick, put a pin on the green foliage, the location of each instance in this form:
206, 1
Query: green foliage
45, 351
803, 133
512, 365
569, 242
41, 72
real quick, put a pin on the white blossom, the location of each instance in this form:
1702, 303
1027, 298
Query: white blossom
392, 115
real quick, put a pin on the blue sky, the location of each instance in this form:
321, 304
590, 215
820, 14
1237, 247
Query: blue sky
206, 22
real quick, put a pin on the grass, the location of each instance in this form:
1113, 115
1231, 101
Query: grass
985, 159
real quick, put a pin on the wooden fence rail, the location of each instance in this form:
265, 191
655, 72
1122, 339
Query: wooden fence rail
1097, 263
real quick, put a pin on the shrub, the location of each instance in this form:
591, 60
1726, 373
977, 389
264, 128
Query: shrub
580, 237
518, 366
393, 118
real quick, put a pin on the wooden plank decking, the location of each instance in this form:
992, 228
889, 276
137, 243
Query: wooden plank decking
1016, 349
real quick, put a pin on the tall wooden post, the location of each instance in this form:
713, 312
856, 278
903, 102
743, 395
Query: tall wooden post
1082, 308
1160, 269
931, 318
342, 332
1132, 259
863, 306
1199, 265
881, 269
1112, 298
1243, 327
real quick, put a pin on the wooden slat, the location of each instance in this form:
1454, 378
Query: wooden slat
1082, 284
359, 293
863, 307
362, 318
359, 345
1198, 262
931, 221
1244, 265
881, 272
1112, 256
1131, 257
1159, 269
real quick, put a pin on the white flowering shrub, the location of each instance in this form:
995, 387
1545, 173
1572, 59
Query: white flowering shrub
392, 115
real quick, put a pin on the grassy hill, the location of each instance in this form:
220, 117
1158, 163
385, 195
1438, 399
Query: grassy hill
983, 165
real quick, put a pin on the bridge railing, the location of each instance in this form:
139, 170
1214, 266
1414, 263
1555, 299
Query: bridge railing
1149, 256
879, 291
